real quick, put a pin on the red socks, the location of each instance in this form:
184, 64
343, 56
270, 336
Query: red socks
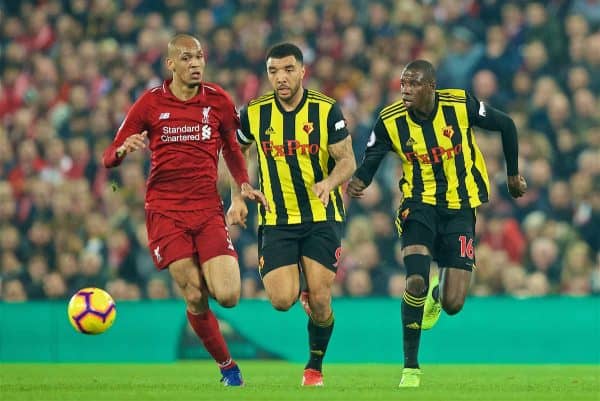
207, 329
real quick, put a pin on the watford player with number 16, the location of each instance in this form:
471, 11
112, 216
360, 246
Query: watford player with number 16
445, 180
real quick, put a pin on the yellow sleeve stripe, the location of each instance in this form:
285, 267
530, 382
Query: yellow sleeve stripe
394, 111
453, 92
319, 96
392, 106
455, 98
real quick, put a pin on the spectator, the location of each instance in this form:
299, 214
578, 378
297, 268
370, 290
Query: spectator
537, 284
514, 280
358, 283
157, 288
58, 204
465, 54
543, 256
13, 290
54, 286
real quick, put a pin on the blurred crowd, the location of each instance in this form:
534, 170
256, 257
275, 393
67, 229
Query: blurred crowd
70, 69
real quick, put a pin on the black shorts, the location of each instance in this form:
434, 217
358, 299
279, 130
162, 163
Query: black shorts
447, 233
284, 245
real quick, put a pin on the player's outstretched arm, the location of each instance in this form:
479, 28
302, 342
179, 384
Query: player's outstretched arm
377, 147
496, 120
485, 116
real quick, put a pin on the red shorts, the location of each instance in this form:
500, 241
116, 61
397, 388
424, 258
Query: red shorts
174, 235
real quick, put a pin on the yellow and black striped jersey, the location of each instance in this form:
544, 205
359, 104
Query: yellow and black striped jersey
441, 161
293, 155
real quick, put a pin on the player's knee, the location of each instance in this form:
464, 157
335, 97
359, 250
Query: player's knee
415, 285
194, 299
282, 302
320, 303
417, 273
228, 299
452, 305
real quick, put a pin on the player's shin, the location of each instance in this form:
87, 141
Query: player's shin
413, 301
412, 314
319, 334
206, 327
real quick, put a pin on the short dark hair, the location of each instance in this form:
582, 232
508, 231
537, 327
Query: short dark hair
425, 67
282, 50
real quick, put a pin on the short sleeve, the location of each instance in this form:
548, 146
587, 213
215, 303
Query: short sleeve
244, 136
336, 125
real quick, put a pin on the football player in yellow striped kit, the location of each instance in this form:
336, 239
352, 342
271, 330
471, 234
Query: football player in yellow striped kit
444, 181
304, 155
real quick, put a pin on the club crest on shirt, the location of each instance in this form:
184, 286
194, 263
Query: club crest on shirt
308, 127
269, 131
448, 131
205, 112
410, 142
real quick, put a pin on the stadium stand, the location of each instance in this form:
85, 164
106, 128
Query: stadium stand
69, 70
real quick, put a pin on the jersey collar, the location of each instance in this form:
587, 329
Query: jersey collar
431, 115
166, 90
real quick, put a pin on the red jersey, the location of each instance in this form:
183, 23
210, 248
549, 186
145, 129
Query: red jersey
186, 138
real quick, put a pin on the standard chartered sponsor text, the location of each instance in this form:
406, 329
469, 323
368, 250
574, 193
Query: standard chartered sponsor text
181, 133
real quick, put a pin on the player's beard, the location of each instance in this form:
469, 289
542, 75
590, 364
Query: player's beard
293, 92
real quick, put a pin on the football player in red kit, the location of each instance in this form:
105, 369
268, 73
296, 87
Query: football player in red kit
187, 123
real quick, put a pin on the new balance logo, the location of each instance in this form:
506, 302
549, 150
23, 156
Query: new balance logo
414, 326
164, 116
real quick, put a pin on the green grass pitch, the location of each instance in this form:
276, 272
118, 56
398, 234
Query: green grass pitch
270, 380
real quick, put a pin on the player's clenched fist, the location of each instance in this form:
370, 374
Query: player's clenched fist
517, 185
132, 143
356, 187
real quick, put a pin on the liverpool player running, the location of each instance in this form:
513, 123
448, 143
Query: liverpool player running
187, 122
